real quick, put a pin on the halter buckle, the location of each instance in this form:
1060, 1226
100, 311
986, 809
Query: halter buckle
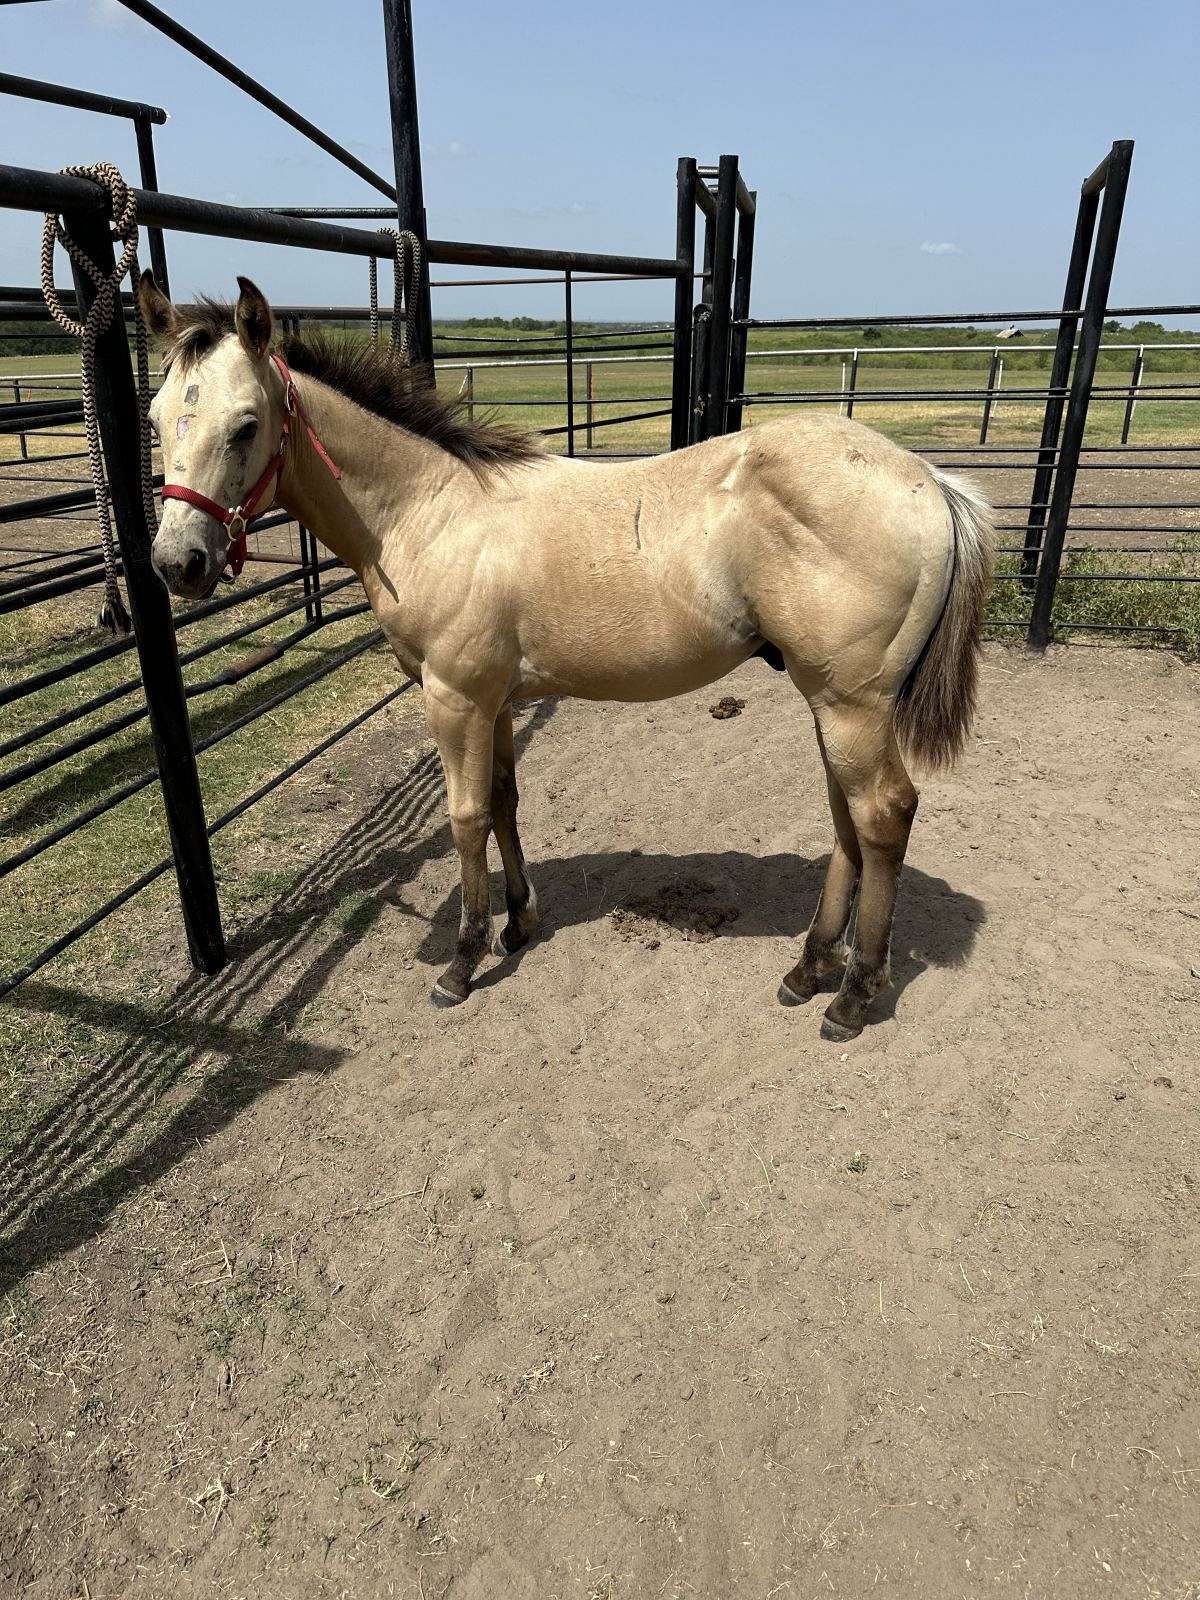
237, 525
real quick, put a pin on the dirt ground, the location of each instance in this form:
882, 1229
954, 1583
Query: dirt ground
617, 1280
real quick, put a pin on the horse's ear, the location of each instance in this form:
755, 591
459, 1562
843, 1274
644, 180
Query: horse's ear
253, 318
157, 311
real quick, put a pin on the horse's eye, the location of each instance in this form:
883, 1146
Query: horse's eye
246, 432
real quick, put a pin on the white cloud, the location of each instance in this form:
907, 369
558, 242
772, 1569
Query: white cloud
944, 249
452, 150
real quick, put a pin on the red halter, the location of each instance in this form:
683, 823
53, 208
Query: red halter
237, 518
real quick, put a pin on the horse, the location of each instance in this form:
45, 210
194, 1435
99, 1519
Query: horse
500, 573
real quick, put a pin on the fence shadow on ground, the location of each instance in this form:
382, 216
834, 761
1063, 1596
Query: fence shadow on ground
108, 1135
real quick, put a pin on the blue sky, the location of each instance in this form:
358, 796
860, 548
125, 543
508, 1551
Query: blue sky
914, 156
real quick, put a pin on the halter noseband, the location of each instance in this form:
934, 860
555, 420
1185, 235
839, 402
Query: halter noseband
238, 518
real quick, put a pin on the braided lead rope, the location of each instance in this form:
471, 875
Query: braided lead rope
406, 275
113, 614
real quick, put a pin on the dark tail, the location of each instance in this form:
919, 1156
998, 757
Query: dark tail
937, 702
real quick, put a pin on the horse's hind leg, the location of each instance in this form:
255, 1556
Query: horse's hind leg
519, 892
825, 954
861, 752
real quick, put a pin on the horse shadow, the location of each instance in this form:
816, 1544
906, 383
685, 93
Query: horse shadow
748, 897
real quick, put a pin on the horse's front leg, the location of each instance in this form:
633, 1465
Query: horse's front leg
464, 739
519, 892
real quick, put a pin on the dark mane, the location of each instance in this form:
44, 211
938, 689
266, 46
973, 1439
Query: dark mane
375, 377
195, 329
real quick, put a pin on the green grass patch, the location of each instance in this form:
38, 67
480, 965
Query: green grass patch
1095, 599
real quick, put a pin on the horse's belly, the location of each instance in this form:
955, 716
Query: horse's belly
633, 658
632, 628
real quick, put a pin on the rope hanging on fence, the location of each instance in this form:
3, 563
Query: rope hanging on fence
406, 275
113, 613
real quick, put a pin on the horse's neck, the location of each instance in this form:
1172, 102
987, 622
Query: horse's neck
393, 485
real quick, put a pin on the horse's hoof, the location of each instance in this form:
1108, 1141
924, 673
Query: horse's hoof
791, 997
444, 998
509, 942
837, 1032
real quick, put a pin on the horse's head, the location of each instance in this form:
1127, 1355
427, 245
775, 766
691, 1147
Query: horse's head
219, 417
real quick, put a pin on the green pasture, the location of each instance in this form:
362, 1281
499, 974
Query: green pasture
530, 392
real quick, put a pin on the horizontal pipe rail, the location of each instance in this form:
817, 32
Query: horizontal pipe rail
87, 708
236, 672
27, 189
80, 99
935, 317
73, 935
47, 841
210, 608
607, 422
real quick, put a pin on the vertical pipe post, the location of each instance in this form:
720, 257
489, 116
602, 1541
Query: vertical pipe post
741, 309
406, 150
993, 372
701, 318
144, 131
850, 387
685, 264
591, 406
1060, 368
306, 566
1095, 308
570, 364
154, 631
1135, 381
701, 327
21, 437
710, 247
717, 385
314, 551
470, 394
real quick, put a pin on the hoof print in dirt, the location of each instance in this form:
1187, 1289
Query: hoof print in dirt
681, 908
727, 706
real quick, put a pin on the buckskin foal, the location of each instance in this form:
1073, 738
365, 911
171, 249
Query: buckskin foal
499, 574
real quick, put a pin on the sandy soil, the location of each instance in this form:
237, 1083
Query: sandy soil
617, 1281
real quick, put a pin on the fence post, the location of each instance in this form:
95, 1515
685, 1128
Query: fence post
701, 329
993, 371
1060, 368
701, 318
144, 131
685, 262
591, 404
570, 364
739, 336
154, 630
1115, 181
470, 394
1135, 383
21, 437
306, 573
717, 377
406, 150
853, 381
